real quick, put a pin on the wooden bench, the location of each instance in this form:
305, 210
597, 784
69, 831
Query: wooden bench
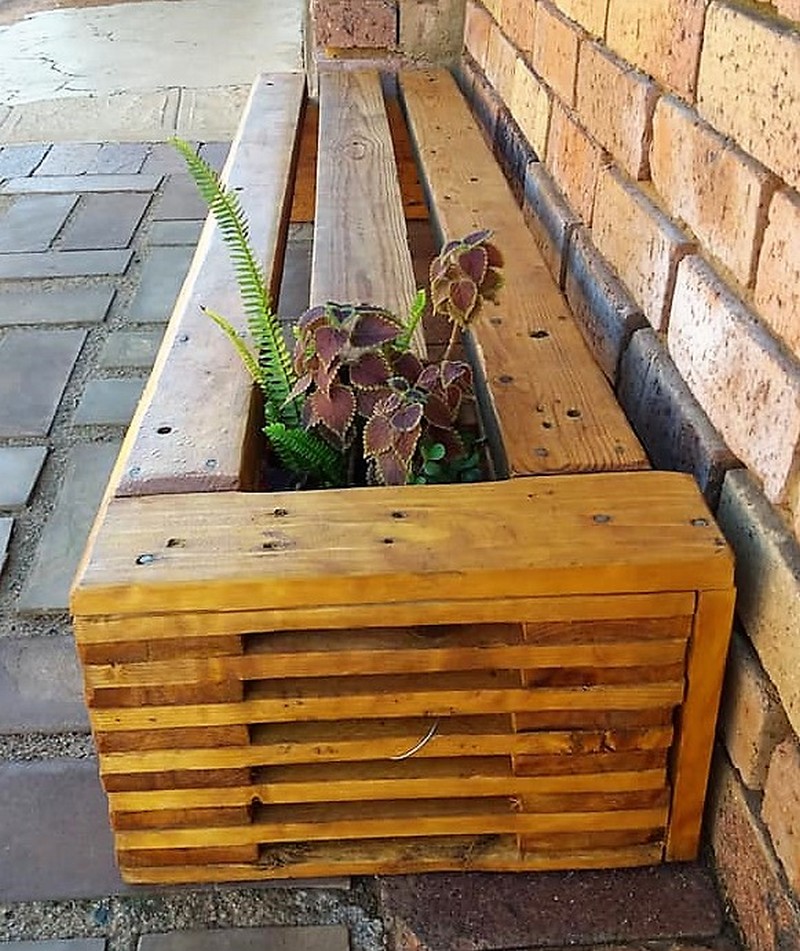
513, 675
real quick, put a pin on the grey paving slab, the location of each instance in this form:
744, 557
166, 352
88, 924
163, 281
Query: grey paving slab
6, 525
163, 159
67, 305
179, 199
54, 184
63, 264
32, 222
135, 349
68, 158
104, 221
19, 469
41, 687
161, 279
108, 402
58, 944
46, 587
296, 281
301, 938
175, 232
119, 158
16, 161
56, 842
34, 368
215, 153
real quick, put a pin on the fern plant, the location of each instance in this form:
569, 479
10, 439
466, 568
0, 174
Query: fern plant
268, 361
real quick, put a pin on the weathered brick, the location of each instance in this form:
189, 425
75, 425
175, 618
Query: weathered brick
768, 583
501, 62
639, 241
590, 14
530, 106
746, 383
104, 221
749, 86
667, 418
661, 37
574, 160
517, 17
789, 9
555, 51
603, 308
477, 26
781, 808
747, 870
549, 218
432, 30
720, 192
752, 721
616, 104
33, 221
777, 294
346, 24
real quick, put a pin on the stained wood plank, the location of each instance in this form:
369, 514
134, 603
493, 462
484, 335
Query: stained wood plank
481, 541
360, 240
554, 408
198, 452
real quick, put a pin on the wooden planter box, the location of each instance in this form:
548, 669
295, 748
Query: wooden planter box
513, 675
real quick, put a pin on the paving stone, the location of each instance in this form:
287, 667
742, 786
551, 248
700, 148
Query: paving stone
41, 688
56, 184
175, 232
472, 911
54, 829
119, 158
108, 402
79, 305
32, 222
19, 469
61, 545
135, 349
164, 158
63, 264
29, 397
215, 153
58, 944
105, 221
296, 280
6, 524
161, 279
16, 161
68, 158
300, 938
179, 200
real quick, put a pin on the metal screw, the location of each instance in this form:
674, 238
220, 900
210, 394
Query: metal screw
700, 522
183, 338
134, 472
601, 519
146, 559
541, 451
211, 463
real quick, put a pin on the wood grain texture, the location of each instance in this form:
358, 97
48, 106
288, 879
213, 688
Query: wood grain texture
179, 441
554, 408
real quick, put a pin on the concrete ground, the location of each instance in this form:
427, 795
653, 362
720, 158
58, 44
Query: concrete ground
98, 223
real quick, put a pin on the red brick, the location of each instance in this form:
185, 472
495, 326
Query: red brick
717, 190
639, 241
530, 107
781, 808
590, 14
477, 26
778, 282
789, 9
749, 86
555, 51
501, 61
616, 104
752, 720
661, 37
744, 381
574, 161
747, 870
517, 19
346, 24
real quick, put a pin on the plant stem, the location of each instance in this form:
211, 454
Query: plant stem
451, 342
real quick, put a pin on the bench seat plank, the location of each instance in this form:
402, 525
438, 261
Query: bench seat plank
179, 441
554, 409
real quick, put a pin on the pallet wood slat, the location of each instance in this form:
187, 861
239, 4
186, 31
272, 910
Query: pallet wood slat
507, 676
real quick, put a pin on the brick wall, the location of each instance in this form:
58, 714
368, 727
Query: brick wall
656, 147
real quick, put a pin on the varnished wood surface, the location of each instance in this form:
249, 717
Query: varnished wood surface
554, 408
612, 532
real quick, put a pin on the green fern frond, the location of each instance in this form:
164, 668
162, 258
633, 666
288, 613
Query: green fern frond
303, 451
248, 357
273, 354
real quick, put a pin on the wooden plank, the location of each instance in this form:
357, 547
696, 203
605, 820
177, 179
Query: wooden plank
305, 180
481, 541
411, 189
696, 721
361, 250
555, 410
176, 442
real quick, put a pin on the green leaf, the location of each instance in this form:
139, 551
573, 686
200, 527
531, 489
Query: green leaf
434, 452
